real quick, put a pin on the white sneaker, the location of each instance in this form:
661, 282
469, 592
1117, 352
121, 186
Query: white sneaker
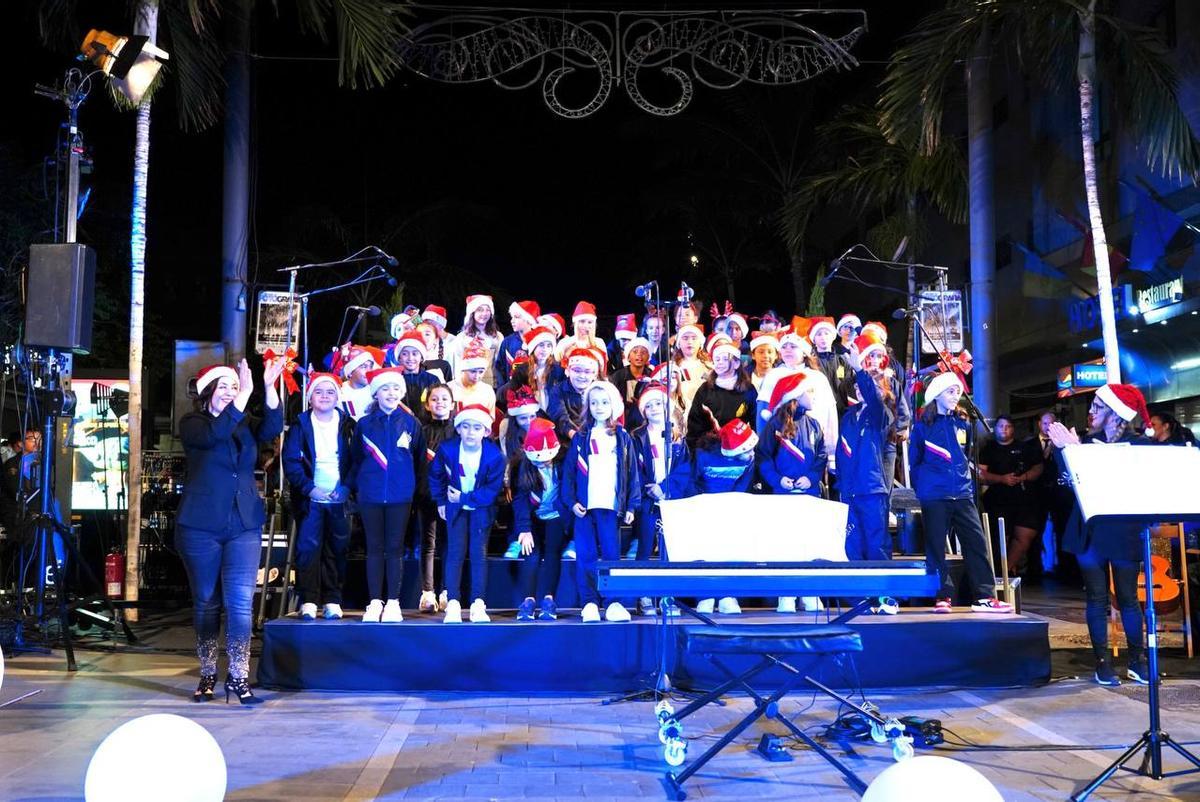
453, 613
428, 602
333, 612
729, 606
478, 612
590, 613
373, 612
706, 606
787, 604
812, 604
442, 600
308, 611
616, 612
391, 612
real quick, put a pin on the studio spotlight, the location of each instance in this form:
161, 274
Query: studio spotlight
130, 62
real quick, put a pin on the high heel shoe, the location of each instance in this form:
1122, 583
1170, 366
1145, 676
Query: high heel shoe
204, 691
241, 689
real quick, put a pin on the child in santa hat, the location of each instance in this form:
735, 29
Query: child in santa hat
626, 329
468, 386
665, 469
540, 519
438, 427
690, 366
433, 363
316, 457
633, 375
387, 466
566, 405
835, 366
435, 316
602, 488
848, 327
1118, 414
941, 474
523, 316
479, 332
764, 354
726, 392
409, 353
355, 363
521, 408
465, 480
652, 330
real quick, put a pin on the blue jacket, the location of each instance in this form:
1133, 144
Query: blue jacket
862, 442
903, 414
938, 464
444, 473
527, 496
222, 452
575, 474
713, 472
508, 349
300, 457
564, 406
802, 455
680, 475
387, 456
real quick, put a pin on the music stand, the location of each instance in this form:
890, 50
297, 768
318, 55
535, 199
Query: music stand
1142, 486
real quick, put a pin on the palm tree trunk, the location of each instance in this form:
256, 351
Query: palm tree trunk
1087, 82
981, 195
146, 24
799, 297
236, 202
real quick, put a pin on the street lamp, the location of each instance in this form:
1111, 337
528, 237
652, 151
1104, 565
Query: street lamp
130, 62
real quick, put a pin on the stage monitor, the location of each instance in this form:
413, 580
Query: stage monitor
100, 444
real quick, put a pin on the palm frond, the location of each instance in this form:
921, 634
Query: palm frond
369, 34
1140, 64
196, 62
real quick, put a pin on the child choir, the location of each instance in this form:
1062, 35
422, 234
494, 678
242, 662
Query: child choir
582, 440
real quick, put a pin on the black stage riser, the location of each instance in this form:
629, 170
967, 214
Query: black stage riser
567, 656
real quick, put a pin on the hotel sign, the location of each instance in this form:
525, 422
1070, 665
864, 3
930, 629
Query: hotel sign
1076, 378
1084, 315
1160, 295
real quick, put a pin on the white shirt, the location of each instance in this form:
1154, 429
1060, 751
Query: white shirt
355, 400
468, 462
602, 469
658, 449
325, 462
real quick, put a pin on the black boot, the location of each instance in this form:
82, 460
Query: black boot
240, 688
204, 691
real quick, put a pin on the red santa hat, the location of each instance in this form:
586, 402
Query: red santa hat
866, 344
659, 374
850, 320
652, 391
212, 373
584, 356
876, 329
739, 320
626, 327
479, 413
1125, 400
411, 339
761, 338
554, 321
788, 388
435, 314
476, 301
520, 401
614, 397
737, 438
385, 376
359, 356
940, 384
818, 323
474, 355
584, 311
534, 337
636, 342
315, 380
529, 310
541, 442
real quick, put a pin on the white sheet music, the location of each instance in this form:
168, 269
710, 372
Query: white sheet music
741, 527
1162, 482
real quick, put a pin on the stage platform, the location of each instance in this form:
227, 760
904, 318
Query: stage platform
913, 649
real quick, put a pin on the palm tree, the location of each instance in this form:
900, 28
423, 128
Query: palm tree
1064, 43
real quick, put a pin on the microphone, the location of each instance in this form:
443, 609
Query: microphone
387, 257
373, 311
643, 290
686, 292
900, 314
834, 267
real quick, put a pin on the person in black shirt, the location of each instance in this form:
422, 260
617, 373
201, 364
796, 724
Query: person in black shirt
1010, 468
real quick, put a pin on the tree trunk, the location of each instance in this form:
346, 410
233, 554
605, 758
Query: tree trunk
236, 200
981, 194
799, 297
1087, 82
146, 24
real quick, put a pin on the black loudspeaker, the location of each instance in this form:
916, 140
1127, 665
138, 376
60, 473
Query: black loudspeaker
59, 297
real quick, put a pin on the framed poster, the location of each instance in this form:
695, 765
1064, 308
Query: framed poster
271, 324
942, 316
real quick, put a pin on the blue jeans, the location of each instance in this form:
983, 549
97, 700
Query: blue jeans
1094, 568
322, 537
597, 537
542, 567
466, 538
226, 560
647, 526
866, 528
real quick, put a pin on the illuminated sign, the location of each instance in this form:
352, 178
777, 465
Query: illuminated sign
1084, 315
1160, 295
1074, 379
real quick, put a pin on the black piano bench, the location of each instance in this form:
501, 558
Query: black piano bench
771, 644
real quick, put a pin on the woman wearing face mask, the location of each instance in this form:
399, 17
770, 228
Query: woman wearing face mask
941, 477
219, 525
1117, 413
1011, 468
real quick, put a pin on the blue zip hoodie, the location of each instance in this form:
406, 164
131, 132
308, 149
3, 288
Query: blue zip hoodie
444, 473
387, 457
862, 442
677, 481
938, 464
575, 474
527, 496
802, 455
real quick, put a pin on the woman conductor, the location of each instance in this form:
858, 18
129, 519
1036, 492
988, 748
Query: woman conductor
218, 528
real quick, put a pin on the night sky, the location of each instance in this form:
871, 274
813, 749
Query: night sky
512, 197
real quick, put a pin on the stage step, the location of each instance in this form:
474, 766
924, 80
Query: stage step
913, 649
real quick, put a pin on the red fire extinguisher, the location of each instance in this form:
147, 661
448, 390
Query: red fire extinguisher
114, 574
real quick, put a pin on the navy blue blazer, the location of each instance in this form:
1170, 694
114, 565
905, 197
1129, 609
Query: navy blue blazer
222, 452
300, 457
444, 473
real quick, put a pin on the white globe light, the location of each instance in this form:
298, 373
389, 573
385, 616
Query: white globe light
931, 779
156, 757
